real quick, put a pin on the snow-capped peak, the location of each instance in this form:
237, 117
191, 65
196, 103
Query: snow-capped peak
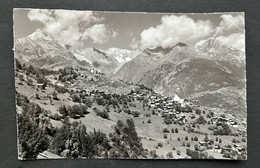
38, 34
121, 55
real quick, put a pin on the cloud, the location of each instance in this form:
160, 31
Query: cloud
71, 36
230, 23
99, 33
70, 26
236, 40
41, 15
174, 29
134, 44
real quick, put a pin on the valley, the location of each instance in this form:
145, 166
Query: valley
161, 103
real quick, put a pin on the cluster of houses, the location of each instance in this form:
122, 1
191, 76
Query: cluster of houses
171, 106
222, 121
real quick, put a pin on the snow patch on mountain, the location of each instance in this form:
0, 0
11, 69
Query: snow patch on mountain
121, 55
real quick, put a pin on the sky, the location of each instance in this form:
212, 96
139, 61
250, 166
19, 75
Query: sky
133, 31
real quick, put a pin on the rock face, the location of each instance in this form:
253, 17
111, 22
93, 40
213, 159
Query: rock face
98, 59
211, 68
121, 55
43, 51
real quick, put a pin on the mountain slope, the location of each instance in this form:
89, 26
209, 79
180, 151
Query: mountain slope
99, 60
151, 59
230, 58
43, 51
183, 71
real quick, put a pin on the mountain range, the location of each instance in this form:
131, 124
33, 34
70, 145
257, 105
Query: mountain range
210, 71
42, 50
206, 71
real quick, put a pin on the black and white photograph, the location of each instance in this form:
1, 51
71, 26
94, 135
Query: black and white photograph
130, 85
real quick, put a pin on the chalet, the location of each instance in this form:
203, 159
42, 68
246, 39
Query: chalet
153, 97
219, 120
231, 122
152, 105
211, 142
100, 92
228, 149
41, 86
192, 116
195, 103
202, 143
177, 99
217, 147
237, 145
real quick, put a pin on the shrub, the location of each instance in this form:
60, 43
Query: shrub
225, 130
75, 98
153, 154
195, 138
169, 155
55, 117
160, 144
178, 152
223, 115
55, 95
176, 130
104, 114
186, 138
172, 130
168, 121
153, 112
201, 120
211, 157
165, 136
21, 77
63, 111
136, 113
37, 96
226, 154
149, 121
198, 111
61, 89
29, 82
188, 144
206, 139
165, 130
196, 147
193, 154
